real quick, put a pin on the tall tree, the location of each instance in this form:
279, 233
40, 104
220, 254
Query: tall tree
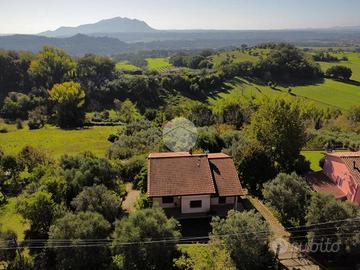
98, 199
254, 164
143, 226
339, 72
94, 72
39, 209
69, 101
127, 111
289, 195
279, 127
14, 72
78, 229
51, 66
333, 220
240, 235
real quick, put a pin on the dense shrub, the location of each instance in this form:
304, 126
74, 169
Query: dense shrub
287, 63
339, 72
247, 248
141, 226
289, 195
99, 199
37, 118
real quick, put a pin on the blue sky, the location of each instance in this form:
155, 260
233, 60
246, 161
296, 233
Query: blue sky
33, 16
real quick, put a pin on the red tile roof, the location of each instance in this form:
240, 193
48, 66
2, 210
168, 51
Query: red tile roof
180, 173
350, 159
227, 181
321, 183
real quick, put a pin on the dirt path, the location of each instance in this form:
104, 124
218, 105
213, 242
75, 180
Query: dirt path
132, 195
291, 256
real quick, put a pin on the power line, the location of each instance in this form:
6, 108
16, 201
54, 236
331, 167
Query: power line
305, 229
109, 242
60, 243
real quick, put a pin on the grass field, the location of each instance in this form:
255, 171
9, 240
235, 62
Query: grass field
353, 63
314, 158
238, 56
126, 66
159, 64
10, 220
57, 141
330, 93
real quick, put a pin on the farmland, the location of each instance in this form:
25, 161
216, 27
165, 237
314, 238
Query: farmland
158, 64
10, 220
57, 141
126, 66
329, 93
326, 93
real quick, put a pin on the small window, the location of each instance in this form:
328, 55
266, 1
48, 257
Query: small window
168, 199
222, 200
196, 204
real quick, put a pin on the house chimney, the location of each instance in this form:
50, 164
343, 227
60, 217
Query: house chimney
356, 168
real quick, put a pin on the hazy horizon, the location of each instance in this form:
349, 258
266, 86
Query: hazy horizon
33, 17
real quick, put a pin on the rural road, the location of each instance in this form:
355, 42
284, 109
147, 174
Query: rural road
292, 258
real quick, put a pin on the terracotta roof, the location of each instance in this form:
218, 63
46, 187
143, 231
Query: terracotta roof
180, 173
321, 183
344, 154
350, 159
227, 181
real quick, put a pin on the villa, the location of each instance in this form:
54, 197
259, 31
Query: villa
192, 185
340, 176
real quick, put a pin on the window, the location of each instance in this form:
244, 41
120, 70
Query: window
222, 200
196, 204
168, 199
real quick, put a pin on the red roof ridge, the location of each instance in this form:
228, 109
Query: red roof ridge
344, 154
186, 154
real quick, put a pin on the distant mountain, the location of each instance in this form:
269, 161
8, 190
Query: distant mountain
114, 25
346, 28
75, 45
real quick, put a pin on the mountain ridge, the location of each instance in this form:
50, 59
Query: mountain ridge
112, 25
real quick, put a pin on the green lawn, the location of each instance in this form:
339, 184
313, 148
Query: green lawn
330, 93
57, 141
314, 158
159, 64
236, 56
10, 220
126, 66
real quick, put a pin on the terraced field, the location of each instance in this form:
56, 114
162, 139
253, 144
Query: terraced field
159, 64
126, 66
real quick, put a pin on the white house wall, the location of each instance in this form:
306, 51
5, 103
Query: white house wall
185, 204
158, 201
229, 200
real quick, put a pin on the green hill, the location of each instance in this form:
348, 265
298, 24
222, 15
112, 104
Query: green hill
328, 93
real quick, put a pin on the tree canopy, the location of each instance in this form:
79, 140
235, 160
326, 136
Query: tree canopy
239, 233
278, 126
51, 66
69, 100
142, 226
79, 228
